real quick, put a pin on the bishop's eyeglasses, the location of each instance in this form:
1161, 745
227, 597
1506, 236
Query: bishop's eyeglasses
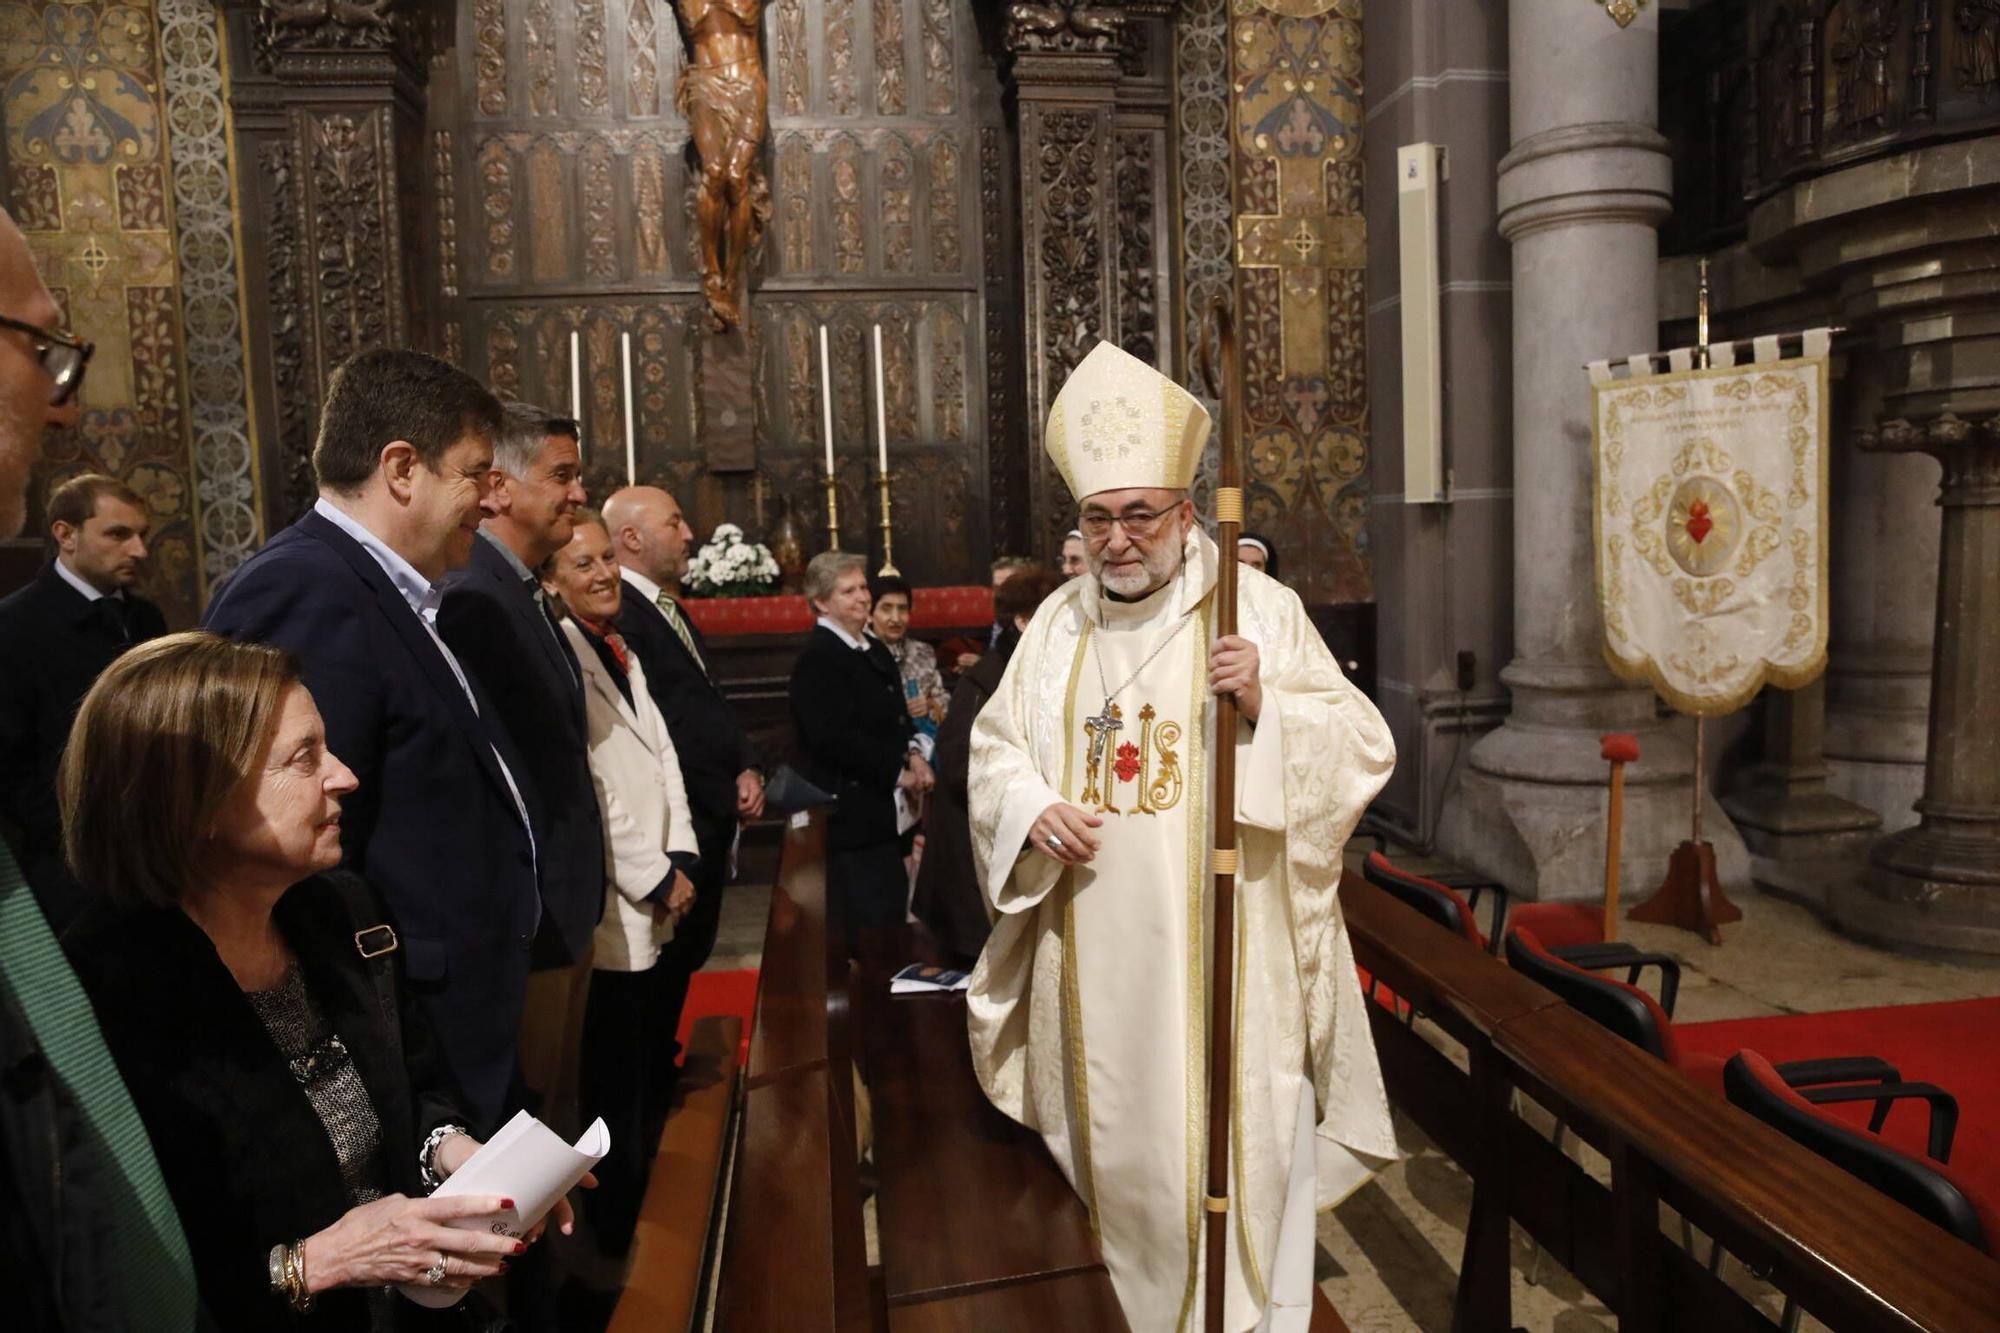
1139, 524
63, 357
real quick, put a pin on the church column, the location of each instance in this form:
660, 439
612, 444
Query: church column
329, 108
1065, 72
1908, 242
1581, 190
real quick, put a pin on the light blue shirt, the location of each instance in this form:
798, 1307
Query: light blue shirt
424, 598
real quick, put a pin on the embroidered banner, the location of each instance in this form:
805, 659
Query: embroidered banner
1709, 509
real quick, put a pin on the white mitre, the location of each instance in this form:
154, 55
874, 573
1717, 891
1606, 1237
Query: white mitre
1119, 423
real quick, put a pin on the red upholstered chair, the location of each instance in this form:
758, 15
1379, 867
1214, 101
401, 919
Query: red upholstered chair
1929, 1188
1566, 926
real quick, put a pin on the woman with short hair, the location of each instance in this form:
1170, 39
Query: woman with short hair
252, 998
854, 729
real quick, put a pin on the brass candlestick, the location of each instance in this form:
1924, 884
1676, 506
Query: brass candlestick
888, 569
832, 513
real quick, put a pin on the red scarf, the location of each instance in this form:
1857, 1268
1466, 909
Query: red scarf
612, 637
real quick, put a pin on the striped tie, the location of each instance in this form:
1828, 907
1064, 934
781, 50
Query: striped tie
147, 1271
671, 609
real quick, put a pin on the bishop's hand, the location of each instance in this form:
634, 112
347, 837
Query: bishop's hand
1233, 668
1062, 833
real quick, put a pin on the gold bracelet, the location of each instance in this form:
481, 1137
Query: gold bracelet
296, 1290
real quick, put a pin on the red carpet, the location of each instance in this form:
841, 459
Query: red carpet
1954, 1045
720, 993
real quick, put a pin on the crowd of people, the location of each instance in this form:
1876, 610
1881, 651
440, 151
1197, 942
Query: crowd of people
428, 823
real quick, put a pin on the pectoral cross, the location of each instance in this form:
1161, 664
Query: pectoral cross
1100, 729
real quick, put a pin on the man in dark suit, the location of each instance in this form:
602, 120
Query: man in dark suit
439, 825
495, 620
854, 727
719, 766
56, 636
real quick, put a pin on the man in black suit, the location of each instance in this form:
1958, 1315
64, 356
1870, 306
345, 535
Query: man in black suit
56, 636
495, 620
719, 766
853, 725
439, 824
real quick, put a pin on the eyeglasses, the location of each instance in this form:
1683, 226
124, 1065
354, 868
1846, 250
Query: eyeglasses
1138, 525
63, 357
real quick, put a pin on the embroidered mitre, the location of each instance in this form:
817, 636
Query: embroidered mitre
1119, 423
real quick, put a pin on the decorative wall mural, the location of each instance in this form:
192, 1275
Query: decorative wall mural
86, 113
1300, 247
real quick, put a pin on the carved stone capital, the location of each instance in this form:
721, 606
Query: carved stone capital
1968, 450
1064, 27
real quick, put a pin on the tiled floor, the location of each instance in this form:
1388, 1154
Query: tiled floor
1389, 1254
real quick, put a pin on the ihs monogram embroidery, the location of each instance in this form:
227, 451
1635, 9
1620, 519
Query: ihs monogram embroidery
1130, 763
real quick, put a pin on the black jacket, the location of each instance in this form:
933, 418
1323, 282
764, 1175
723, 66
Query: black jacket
54, 643
947, 898
706, 734
433, 827
524, 666
245, 1157
853, 727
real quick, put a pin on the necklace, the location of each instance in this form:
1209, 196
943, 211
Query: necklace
1108, 719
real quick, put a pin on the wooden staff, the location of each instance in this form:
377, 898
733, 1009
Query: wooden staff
1222, 965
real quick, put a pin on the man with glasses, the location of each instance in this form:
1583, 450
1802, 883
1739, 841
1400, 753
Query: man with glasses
1089, 804
88, 1235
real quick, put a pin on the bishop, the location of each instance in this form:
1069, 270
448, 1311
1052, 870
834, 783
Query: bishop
1090, 813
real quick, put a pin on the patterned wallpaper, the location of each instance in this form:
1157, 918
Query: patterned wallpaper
1300, 249
118, 173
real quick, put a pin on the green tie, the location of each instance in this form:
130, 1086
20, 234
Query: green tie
147, 1272
672, 610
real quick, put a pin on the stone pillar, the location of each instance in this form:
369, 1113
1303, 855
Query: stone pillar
1884, 572
1801, 835
1908, 242
1580, 193
329, 110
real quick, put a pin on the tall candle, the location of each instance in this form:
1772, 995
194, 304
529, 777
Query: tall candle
826, 396
576, 383
881, 410
631, 452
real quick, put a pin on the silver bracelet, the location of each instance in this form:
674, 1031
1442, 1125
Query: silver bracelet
427, 1155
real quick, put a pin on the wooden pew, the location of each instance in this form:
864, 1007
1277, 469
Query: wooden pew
794, 1254
675, 1238
1854, 1258
979, 1230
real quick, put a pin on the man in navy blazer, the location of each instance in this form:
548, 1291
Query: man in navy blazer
719, 765
439, 824
495, 619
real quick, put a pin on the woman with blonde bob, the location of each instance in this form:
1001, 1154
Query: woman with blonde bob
252, 996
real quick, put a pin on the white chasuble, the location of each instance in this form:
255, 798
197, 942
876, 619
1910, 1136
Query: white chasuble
1088, 1008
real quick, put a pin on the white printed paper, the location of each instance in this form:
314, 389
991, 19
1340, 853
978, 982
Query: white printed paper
524, 1162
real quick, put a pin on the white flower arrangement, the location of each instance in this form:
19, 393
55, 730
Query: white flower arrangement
731, 565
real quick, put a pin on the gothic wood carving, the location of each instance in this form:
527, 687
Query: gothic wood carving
723, 95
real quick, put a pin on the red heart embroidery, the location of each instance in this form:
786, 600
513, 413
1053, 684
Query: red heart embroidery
1699, 524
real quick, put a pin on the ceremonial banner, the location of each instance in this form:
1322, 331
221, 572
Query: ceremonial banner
1709, 510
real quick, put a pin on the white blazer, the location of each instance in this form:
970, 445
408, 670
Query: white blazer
638, 779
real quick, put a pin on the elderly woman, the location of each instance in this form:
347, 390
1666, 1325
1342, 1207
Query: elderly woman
252, 998
650, 848
916, 661
853, 727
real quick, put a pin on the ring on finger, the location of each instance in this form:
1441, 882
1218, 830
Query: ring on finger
436, 1272
1055, 843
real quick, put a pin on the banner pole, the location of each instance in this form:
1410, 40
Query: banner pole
1700, 722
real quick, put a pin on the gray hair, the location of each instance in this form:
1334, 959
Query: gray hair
523, 428
825, 571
